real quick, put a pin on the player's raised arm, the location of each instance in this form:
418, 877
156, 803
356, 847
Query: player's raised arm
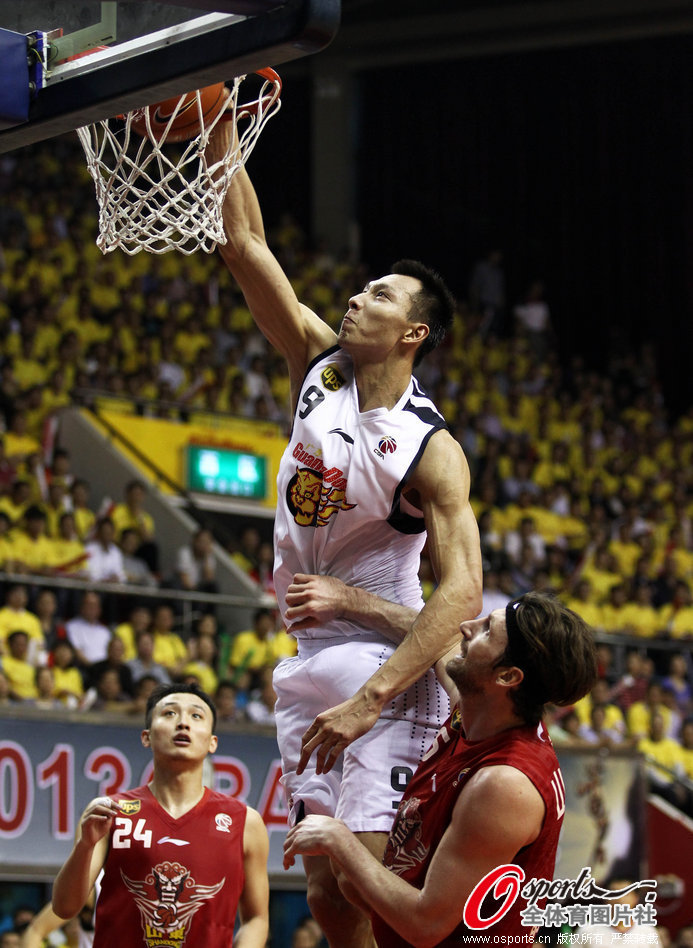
293, 329
79, 872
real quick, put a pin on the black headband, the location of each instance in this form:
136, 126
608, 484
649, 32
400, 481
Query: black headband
512, 628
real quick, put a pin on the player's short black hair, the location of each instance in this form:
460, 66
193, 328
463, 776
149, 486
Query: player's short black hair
178, 688
434, 304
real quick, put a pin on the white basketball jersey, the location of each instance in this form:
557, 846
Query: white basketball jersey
340, 510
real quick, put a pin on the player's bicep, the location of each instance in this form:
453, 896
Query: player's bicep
443, 482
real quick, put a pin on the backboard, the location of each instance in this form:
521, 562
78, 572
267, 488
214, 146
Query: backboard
148, 52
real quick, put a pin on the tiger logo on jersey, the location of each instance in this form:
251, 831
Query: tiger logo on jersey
313, 500
331, 378
167, 899
405, 848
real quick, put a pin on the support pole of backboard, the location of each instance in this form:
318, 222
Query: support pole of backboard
99, 34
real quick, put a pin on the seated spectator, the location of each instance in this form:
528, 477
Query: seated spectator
246, 551
85, 518
69, 558
104, 558
137, 573
526, 535
196, 564
130, 514
202, 664
60, 469
169, 648
143, 664
46, 607
263, 571
615, 608
139, 620
19, 444
494, 597
600, 570
677, 616
88, 635
107, 694
678, 683
14, 616
252, 650
69, 684
14, 504
55, 506
632, 686
597, 732
207, 625
20, 672
664, 762
33, 550
46, 699
639, 615
640, 714
225, 701
114, 660
600, 697
143, 688
260, 706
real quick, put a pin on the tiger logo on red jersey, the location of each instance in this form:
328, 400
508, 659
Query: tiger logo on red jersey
168, 898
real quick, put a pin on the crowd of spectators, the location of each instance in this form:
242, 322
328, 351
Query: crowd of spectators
582, 479
88, 663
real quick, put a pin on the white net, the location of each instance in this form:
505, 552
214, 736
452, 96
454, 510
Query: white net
158, 196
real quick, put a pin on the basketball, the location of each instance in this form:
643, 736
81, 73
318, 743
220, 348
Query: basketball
186, 123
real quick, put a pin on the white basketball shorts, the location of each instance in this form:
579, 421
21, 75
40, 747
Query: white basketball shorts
365, 786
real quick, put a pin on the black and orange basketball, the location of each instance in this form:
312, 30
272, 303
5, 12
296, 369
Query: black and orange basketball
186, 123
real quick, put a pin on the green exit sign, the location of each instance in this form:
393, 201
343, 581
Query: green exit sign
226, 472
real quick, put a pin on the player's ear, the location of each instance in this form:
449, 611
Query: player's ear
416, 332
213, 743
509, 676
144, 737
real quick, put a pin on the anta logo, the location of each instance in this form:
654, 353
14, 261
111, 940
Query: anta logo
128, 807
386, 445
223, 821
332, 378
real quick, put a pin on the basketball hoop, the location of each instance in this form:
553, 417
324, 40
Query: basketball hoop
157, 198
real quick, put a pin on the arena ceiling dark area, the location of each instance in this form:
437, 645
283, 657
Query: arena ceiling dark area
560, 129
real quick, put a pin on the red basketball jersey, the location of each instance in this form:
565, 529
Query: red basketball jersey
171, 882
425, 812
